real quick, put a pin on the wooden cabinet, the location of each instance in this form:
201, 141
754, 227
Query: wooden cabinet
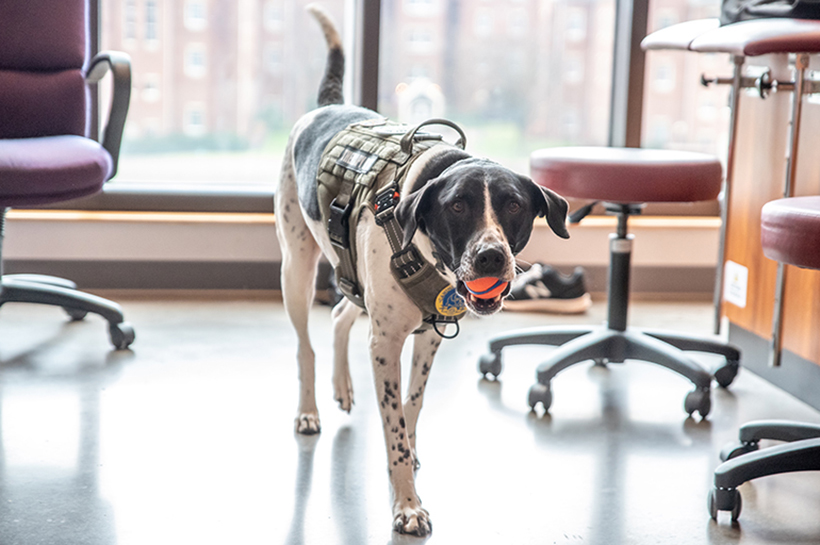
760, 167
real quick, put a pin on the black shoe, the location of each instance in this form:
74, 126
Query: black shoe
331, 296
544, 289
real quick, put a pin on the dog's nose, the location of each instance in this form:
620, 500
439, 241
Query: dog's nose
490, 261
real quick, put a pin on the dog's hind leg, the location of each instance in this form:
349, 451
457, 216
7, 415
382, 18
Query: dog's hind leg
425, 346
344, 315
298, 286
300, 259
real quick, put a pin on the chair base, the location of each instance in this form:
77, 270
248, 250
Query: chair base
616, 342
50, 290
604, 345
745, 462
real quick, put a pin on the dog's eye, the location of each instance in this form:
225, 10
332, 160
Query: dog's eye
457, 207
513, 207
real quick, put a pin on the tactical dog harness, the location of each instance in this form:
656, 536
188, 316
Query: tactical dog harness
353, 175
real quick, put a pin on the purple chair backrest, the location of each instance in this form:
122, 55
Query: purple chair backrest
43, 46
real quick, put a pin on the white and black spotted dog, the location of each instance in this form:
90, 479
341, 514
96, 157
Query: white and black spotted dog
473, 214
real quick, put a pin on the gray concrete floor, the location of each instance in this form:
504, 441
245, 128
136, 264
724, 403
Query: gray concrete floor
189, 438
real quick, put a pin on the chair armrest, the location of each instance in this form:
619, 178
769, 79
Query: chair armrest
120, 66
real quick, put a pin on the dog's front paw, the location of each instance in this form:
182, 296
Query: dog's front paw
412, 520
343, 393
307, 424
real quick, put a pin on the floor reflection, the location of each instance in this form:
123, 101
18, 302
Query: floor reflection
304, 480
347, 485
49, 451
619, 445
190, 440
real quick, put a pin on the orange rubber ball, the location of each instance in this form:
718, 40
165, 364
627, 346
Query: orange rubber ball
486, 287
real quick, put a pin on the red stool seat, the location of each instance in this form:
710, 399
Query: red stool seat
790, 231
627, 175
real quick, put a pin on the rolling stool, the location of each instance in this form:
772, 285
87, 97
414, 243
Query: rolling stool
622, 178
790, 233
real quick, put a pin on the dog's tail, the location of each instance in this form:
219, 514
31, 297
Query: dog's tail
330, 90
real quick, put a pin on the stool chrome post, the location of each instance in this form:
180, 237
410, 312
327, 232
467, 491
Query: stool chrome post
738, 84
800, 65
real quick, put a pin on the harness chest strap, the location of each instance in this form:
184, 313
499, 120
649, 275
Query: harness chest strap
348, 182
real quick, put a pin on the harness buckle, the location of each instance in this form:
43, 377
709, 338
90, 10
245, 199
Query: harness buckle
338, 228
383, 204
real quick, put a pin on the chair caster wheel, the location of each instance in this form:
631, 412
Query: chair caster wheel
122, 335
75, 314
725, 500
698, 400
726, 374
733, 450
540, 393
490, 363
712, 504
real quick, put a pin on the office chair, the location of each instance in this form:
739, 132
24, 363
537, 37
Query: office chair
623, 178
790, 233
45, 156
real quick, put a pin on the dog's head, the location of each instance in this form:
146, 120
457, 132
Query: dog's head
478, 216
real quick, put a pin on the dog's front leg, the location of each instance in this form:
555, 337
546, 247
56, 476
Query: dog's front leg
425, 346
385, 346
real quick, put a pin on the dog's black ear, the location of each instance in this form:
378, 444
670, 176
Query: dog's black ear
550, 204
411, 210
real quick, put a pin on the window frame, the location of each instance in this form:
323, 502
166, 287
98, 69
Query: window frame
624, 123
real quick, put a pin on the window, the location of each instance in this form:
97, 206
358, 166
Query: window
576, 29
511, 94
665, 18
573, 73
129, 24
195, 119
421, 8
420, 40
150, 88
663, 80
517, 23
151, 33
273, 58
195, 65
195, 15
214, 103
483, 22
272, 16
679, 112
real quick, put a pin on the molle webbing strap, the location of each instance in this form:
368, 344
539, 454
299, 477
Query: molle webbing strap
365, 166
420, 280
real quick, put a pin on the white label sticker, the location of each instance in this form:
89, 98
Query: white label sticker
735, 283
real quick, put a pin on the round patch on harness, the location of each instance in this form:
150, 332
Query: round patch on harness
450, 303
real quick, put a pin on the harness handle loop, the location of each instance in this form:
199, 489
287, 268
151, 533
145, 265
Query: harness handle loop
441, 334
407, 139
